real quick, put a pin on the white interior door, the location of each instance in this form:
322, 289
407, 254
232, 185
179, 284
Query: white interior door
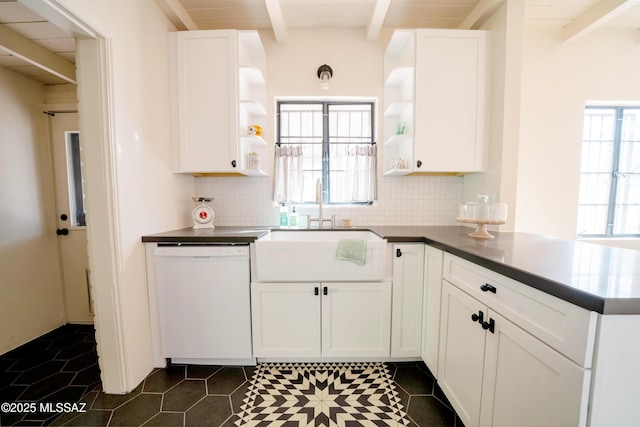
70, 216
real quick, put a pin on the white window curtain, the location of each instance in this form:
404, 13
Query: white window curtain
361, 173
288, 174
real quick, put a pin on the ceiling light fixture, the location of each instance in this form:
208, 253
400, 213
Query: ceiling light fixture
325, 73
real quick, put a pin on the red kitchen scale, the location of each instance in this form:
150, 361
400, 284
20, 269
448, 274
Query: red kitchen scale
202, 214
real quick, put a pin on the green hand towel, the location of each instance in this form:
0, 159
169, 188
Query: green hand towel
354, 250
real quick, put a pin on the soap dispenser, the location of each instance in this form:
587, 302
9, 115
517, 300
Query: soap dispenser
284, 216
293, 219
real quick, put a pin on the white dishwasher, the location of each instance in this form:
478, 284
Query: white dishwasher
204, 303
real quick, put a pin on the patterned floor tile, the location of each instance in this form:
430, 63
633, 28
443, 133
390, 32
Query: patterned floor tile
322, 394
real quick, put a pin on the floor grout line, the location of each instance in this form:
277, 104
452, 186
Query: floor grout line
403, 376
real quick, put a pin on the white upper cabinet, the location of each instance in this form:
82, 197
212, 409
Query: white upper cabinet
434, 117
218, 91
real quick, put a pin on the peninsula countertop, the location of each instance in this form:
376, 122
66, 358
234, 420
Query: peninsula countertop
596, 277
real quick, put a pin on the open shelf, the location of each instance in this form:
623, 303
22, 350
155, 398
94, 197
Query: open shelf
398, 139
397, 172
398, 76
253, 141
252, 75
253, 172
398, 108
254, 108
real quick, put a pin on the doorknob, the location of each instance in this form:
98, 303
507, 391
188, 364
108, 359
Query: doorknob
62, 231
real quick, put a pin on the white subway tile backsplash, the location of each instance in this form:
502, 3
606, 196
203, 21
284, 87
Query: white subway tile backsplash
406, 200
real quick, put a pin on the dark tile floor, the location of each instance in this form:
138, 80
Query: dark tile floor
62, 367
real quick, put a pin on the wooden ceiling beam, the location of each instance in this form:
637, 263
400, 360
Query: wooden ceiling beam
595, 17
27, 50
277, 20
177, 14
479, 14
377, 19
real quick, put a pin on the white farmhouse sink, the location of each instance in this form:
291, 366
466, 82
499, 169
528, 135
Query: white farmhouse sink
310, 256
318, 235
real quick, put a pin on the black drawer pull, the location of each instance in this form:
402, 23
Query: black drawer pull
325, 291
488, 288
478, 317
490, 326
316, 291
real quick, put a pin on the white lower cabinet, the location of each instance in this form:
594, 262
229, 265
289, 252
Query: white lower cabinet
408, 284
311, 320
431, 307
496, 374
285, 319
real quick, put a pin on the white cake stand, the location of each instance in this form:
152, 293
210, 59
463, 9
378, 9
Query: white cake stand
481, 229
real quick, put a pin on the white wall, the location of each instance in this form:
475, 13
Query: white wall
358, 72
31, 299
557, 80
402, 200
500, 180
147, 197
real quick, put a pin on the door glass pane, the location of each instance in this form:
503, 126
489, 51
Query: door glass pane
76, 183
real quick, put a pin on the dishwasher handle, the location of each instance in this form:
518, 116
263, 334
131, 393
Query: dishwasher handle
203, 251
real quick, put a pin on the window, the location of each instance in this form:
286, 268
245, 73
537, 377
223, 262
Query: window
609, 199
76, 183
331, 141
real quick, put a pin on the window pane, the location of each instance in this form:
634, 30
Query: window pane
630, 142
592, 219
596, 167
631, 124
76, 183
348, 126
627, 217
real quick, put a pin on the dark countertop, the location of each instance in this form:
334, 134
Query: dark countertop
596, 277
234, 235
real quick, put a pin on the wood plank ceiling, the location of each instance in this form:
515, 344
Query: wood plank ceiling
34, 47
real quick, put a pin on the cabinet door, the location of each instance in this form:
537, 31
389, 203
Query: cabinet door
285, 319
206, 108
408, 282
527, 383
450, 80
431, 303
461, 353
356, 319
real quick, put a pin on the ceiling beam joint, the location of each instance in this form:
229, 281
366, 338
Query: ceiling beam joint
27, 50
177, 14
277, 20
378, 16
483, 10
595, 17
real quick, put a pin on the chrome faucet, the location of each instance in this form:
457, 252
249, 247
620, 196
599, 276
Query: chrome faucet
319, 201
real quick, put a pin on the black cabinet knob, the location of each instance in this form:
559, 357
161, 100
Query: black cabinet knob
419, 163
233, 163
478, 317
62, 231
488, 288
490, 325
